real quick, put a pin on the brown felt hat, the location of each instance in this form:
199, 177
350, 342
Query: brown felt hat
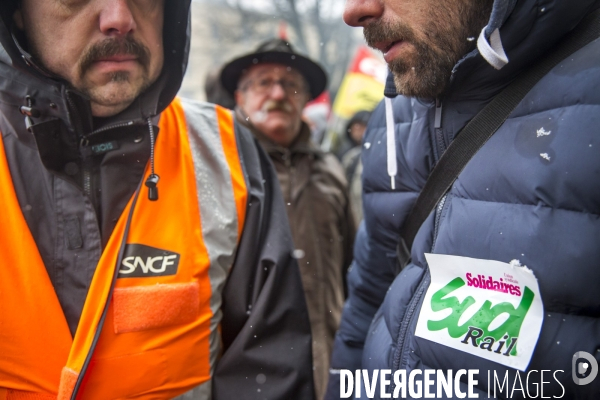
276, 51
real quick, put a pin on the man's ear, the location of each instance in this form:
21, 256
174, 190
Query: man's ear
18, 19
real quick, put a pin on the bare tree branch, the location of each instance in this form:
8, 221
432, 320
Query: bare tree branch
313, 27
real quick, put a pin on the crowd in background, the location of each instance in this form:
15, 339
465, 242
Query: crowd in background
262, 242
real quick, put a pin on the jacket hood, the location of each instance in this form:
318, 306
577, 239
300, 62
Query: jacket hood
21, 76
518, 33
527, 29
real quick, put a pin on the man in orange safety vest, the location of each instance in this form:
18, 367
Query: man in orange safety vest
144, 247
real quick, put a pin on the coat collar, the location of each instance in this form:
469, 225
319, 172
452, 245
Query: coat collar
528, 29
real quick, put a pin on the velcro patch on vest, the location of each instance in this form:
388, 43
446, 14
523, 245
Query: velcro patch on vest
141, 261
68, 379
11, 394
147, 307
486, 308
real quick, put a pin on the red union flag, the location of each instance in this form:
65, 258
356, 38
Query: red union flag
362, 87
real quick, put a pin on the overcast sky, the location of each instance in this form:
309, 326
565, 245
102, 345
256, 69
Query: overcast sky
336, 7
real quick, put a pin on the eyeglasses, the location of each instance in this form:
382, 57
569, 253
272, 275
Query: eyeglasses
265, 85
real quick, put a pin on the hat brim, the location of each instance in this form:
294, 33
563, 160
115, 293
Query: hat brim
313, 73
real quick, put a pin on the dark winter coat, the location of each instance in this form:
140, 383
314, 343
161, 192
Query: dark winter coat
316, 198
71, 199
535, 199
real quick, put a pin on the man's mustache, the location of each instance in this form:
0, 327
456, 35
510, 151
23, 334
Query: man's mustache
380, 31
272, 105
112, 47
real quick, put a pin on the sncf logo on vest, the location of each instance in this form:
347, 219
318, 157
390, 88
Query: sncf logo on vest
141, 261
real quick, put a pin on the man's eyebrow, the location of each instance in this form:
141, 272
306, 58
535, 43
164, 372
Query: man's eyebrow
265, 72
258, 75
286, 72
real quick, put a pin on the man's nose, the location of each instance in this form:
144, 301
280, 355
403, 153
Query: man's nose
116, 18
361, 12
277, 92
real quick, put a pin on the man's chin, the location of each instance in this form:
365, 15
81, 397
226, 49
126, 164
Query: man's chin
112, 98
406, 85
274, 127
418, 81
110, 103
276, 124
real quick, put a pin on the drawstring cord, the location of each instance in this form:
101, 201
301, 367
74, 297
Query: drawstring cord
392, 163
152, 180
492, 51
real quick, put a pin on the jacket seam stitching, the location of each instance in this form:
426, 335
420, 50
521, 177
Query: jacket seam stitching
526, 205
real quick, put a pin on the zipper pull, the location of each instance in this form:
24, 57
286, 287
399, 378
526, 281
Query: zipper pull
438, 113
152, 180
28, 111
152, 189
28, 123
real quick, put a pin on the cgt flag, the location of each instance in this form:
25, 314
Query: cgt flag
362, 87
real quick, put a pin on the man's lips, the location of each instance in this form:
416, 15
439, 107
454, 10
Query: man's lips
118, 58
124, 62
390, 49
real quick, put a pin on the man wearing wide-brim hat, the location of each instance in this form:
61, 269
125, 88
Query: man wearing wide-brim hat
271, 86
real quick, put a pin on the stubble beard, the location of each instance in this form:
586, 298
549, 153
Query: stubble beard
449, 37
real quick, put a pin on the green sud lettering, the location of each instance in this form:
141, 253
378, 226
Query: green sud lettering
476, 329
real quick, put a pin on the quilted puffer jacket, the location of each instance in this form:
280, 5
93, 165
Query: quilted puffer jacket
531, 193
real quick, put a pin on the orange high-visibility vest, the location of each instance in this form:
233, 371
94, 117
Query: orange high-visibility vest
149, 326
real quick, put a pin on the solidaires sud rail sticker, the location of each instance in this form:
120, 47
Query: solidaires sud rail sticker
486, 308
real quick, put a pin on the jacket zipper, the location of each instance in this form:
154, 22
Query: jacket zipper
439, 132
438, 218
107, 128
441, 148
87, 180
401, 346
407, 320
86, 172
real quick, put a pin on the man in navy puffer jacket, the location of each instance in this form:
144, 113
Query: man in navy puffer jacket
529, 197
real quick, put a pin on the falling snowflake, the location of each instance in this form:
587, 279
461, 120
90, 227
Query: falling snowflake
545, 156
542, 132
298, 254
367, 145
